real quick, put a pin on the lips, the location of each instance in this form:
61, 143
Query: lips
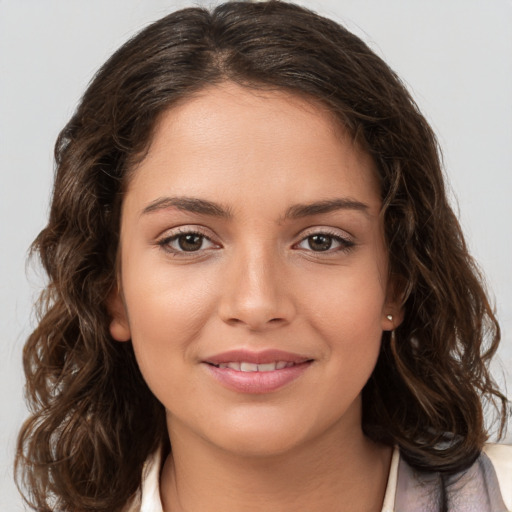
256, 372
262, 357
245, 366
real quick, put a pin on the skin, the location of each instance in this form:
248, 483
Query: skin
257, 281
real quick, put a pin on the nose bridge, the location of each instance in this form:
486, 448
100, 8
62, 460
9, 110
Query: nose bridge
255, 294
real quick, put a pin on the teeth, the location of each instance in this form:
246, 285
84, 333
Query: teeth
268, 367
252, 367
248, 367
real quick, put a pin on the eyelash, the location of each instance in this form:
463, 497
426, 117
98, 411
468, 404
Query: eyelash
345, 244
165, 242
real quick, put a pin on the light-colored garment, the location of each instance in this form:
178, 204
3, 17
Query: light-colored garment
485, 487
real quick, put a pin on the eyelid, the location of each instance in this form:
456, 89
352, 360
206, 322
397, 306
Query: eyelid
346, 240
164, 240
326, 230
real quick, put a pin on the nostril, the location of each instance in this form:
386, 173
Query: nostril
234, 321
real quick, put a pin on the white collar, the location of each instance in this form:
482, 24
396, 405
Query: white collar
149, 498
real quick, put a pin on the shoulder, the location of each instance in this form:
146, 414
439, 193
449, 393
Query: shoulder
500, 456
485, 486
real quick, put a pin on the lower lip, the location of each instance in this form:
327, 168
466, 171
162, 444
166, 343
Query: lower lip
257, 382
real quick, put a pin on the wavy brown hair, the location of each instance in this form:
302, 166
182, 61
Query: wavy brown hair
94, 420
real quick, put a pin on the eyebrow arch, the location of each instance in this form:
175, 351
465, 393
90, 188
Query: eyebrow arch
189, 204
329, 205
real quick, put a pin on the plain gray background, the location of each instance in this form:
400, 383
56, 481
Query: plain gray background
454, 55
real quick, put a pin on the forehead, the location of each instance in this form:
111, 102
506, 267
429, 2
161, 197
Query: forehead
230, 138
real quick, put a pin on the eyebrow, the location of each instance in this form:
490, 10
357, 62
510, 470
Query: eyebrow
297, 211
329, 205
189, 204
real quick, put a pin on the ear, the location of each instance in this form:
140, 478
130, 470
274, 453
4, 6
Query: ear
393, 311
119, 325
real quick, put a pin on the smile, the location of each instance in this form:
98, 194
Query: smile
244, 366
256, 372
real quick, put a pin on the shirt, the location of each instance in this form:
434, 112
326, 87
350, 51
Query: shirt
485, 487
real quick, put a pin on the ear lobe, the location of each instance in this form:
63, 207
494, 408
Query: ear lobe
393, 312
393, 316
119, 325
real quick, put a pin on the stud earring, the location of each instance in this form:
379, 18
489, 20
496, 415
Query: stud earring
389, 317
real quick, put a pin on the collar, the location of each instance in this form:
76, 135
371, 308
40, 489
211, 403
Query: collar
149, 498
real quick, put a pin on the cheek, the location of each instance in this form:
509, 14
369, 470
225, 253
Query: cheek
167, 309
346, 309
346, 300
160, 293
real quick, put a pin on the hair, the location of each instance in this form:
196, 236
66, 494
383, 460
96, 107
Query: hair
93, 419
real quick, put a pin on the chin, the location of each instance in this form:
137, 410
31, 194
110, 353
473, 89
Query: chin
260, 443
254, 434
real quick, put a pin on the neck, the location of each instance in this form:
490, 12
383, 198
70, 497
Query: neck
326, 474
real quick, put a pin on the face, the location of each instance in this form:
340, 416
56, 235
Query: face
253, 271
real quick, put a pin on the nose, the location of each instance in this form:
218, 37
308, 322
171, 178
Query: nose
256, 292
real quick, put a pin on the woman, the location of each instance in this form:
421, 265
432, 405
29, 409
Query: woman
258, 294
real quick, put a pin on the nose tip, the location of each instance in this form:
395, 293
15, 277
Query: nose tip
256, 297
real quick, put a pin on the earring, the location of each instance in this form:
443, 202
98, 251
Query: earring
389, 317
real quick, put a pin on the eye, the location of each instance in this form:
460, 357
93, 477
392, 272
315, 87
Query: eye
186, 241
323, 242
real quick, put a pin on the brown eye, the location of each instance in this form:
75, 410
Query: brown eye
190, 242
187, 242
320, 242
325, 242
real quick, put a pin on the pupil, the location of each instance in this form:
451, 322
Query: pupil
320, 242
190, 242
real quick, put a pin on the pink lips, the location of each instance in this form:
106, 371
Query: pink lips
243, 375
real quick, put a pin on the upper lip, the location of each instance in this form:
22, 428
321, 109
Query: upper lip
261, 357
